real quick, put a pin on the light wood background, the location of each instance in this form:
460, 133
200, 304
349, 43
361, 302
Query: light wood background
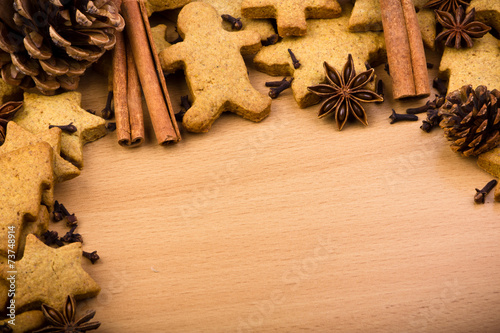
287, 225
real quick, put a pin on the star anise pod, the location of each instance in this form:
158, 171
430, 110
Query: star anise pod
446, 5
66, 322
344, 92
460, 29
7, 112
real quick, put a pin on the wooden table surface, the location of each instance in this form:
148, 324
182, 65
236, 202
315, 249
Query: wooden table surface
287, 225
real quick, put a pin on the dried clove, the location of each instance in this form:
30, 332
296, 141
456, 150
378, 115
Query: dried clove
107, 112
273, 84
420, 109
92, 256
296, 63
111, 126
57, 213
481, 194
440, 86
236, 23
395, 117
285, 84
52, 238
71, 236
432, 120
70, 128
386, 68
271, 40
185, 105
60, 212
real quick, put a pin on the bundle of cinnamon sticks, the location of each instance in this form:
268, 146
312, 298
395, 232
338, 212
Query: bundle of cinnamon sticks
135, 65
405, 49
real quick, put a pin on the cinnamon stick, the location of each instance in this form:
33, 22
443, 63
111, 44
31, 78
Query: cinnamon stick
418, 59
405, 50
134, 100
120, 90
164, 124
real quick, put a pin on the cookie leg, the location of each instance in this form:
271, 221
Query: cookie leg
251, 105
201, 115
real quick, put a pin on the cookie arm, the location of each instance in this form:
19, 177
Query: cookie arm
172, 58
248, 41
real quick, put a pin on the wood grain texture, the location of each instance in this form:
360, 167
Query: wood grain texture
287, 225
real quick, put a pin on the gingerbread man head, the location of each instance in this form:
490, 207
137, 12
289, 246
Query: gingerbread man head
207, 19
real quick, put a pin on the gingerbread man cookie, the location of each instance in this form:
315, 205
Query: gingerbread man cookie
233, 8
215, 70
290, 15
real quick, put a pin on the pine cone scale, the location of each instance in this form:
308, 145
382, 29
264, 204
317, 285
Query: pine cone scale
24, 64
56, 68
36, 49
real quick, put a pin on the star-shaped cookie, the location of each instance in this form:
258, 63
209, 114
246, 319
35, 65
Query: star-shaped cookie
27, 181
47, 275
487, 11
326, 40
478, 65
41, 111
18, 137
26, 322
36, 228
290, 15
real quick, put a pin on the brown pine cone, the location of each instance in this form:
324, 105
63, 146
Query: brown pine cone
471, 119
50, 43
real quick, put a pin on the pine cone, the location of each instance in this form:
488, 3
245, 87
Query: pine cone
50, 43
471, 119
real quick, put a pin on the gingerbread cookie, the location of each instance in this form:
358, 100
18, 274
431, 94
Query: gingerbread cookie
161, 5
27, 181
159, 35
326, 40
478, 65
263, 27
215, 70
47, 275
487, 11
41, 111
290, 15
18, 137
